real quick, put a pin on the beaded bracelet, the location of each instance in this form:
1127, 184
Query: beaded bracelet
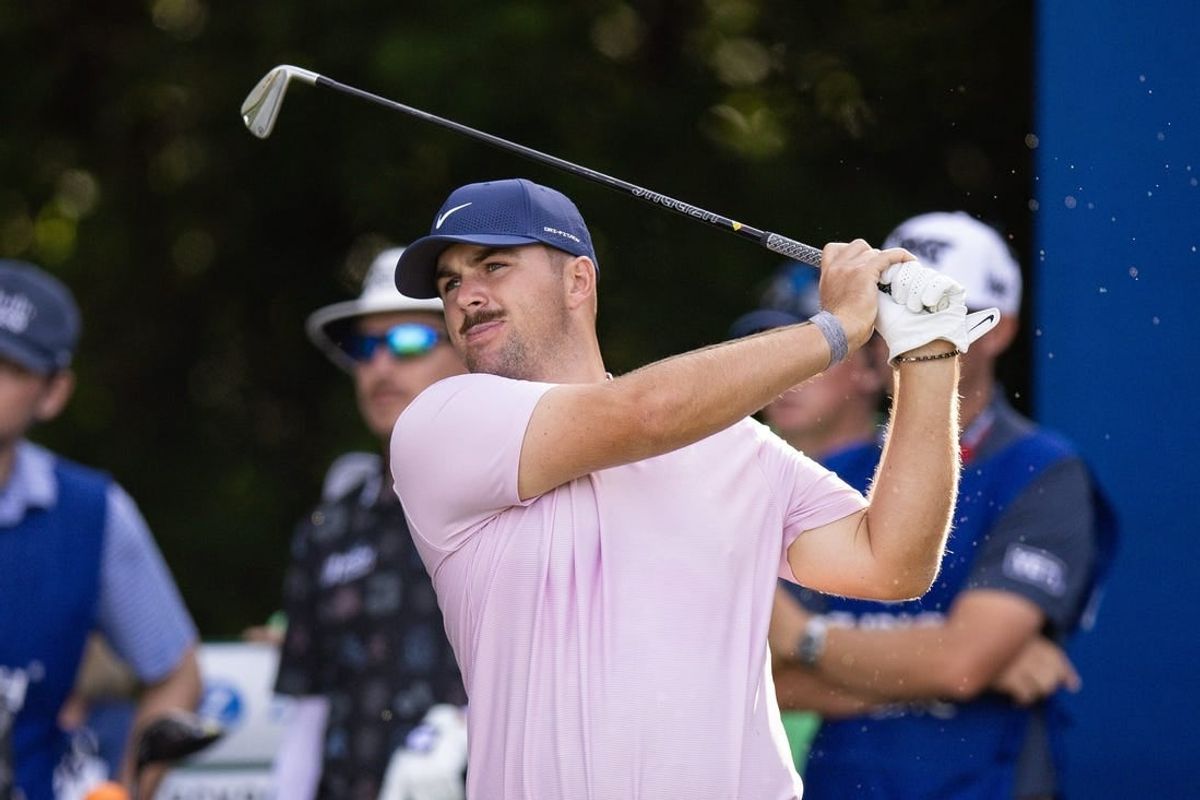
933, 357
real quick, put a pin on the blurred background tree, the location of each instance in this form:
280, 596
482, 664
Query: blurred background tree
196, 250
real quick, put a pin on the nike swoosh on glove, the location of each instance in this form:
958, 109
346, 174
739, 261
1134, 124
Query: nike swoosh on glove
905, 330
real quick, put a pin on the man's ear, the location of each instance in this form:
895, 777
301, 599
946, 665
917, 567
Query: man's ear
579, 276
59, 388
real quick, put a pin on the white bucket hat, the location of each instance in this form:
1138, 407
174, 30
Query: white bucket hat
379, 296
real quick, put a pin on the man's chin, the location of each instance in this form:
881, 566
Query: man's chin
382, 419
501, 369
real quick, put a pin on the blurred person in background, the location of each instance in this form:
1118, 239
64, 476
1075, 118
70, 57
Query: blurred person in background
954, 695
76, 556
365, 651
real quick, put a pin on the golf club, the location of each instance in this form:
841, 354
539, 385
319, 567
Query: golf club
262, 105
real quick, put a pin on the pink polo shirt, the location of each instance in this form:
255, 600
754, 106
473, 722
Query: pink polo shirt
611, 632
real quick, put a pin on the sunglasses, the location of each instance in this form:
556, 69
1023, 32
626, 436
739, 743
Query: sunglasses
406, 340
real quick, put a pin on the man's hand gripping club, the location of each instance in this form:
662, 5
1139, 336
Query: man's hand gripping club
921, 305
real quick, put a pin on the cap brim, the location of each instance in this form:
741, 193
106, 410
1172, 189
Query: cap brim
417, 265
20, 353
762, 319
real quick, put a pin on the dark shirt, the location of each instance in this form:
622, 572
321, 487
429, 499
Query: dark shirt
364, 631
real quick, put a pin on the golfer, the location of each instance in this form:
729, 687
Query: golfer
605, 550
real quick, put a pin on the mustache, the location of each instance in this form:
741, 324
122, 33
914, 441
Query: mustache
478, 318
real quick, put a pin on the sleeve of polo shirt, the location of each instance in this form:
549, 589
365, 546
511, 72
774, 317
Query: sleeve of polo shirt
1043, 545
456, 454
140, 610
809, 494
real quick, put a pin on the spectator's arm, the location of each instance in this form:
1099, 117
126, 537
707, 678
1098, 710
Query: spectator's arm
953, 660
800, 689
143, 618
179, 689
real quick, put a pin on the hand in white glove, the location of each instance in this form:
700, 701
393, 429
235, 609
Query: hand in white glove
924, 306
919, 288
430, 765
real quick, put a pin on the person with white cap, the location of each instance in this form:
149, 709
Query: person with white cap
953, 695
365, 651
75, 556
605, 549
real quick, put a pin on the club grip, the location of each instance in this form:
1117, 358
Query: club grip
794, 250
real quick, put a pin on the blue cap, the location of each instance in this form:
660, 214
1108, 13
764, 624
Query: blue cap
792, 296
39, 321
505, 213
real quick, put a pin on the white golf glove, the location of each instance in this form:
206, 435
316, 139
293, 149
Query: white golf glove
430, 765
923, 306
919, 288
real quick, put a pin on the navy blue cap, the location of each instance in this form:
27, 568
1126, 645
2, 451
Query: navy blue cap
39, 321
792, 296
505, 213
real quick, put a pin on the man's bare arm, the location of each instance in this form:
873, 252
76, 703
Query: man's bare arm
578, 429
892, 549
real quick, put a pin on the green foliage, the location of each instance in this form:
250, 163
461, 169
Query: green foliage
196, 250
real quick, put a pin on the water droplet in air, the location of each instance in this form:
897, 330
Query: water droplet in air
1031, 141
1070, 202
1103, 290
1133, 272
1154, 320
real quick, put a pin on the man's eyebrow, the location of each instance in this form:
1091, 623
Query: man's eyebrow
489, 252
483, 255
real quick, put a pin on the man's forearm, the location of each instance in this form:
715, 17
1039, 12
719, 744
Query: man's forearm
801, 689
664, 406
913, 663
917, 480
691, 396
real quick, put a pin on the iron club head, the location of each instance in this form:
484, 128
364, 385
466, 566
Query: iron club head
261, 106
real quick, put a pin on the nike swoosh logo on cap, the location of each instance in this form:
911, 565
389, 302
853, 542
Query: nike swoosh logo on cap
442, 218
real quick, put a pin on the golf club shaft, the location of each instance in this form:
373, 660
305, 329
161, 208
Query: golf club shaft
772, 241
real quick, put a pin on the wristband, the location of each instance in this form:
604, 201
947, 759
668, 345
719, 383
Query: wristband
834, 334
